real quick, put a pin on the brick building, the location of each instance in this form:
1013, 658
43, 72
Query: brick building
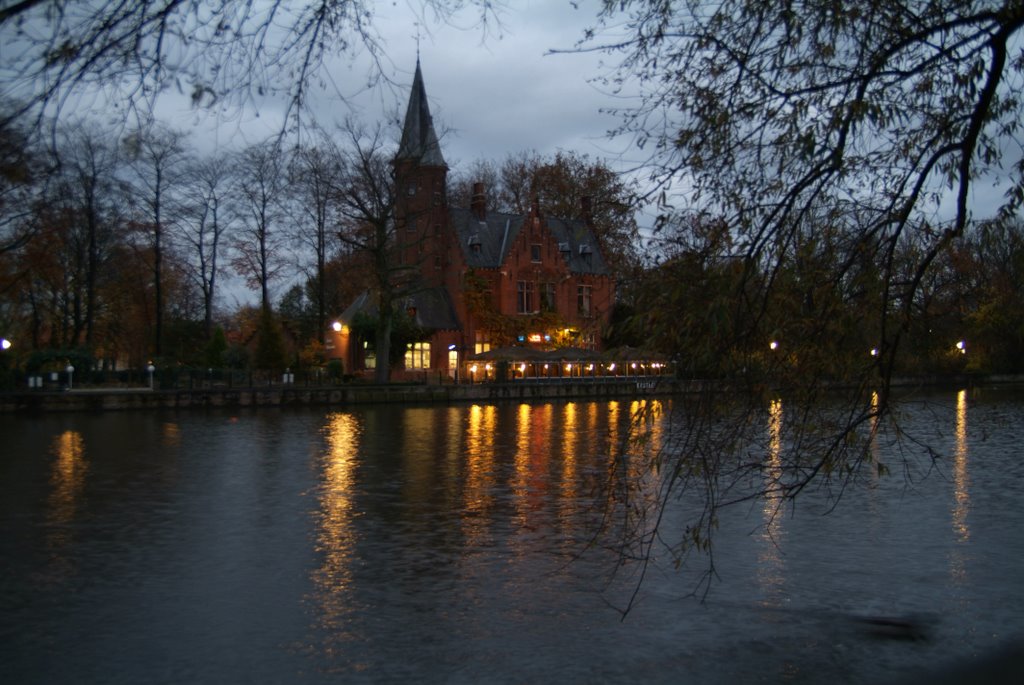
481, 279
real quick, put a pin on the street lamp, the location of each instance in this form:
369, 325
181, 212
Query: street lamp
71, 371
774, 345
962, 346
151, 369
5, 344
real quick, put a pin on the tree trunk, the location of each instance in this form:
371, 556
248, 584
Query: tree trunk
382, 374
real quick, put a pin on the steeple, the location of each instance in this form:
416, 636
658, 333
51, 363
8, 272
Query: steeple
419, 141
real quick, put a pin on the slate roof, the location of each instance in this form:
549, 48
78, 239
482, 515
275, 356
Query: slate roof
434, 308
419, 140
495, 236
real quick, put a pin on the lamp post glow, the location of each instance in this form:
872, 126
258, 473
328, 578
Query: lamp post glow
962, 346
71, 372
336, 326
773, 345
5, 344
151, 369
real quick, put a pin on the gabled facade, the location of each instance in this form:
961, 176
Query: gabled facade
476, 279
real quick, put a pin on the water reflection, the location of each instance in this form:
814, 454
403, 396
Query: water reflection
171, 434
771, 567
336, 535
347, 580
67, 479
961, 494
875, 425
579, 440
477, 448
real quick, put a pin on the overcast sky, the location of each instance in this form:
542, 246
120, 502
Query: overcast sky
496, 92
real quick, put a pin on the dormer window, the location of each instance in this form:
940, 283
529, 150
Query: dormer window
473, 242
585, 252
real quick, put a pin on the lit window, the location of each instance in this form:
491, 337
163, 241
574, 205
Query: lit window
417, 355
483, 342
369, 356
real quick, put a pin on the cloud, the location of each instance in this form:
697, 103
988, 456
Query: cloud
499, 92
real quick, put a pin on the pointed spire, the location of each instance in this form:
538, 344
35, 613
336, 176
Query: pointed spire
419, 141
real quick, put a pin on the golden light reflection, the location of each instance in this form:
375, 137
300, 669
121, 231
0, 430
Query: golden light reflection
521, 481
642, 471
875, 419
573, 442
962, 501
478, 448
335, 535
614, 412
647, 425
961, 494
771, 567
67, 479
171, 434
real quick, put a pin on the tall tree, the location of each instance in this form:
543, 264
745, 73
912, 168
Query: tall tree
367, 208
90, 167
871, 119
314, 181
156, 156
206, 222
260, 241
73, 215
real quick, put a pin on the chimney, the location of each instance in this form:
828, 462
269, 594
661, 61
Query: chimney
478, 202
587, 209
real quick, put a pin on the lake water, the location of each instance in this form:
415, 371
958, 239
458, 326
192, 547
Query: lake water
449, 544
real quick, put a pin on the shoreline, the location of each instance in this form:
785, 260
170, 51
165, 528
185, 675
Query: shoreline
127, 399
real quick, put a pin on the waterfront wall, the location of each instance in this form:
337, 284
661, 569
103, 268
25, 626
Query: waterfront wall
285, 395
117, 399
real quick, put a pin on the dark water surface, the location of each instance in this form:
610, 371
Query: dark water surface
436, 544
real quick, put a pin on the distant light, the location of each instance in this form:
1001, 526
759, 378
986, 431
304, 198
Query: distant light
5, 344
611, 367
962, 346
336, 326
874, 351
452, 346
773, 345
